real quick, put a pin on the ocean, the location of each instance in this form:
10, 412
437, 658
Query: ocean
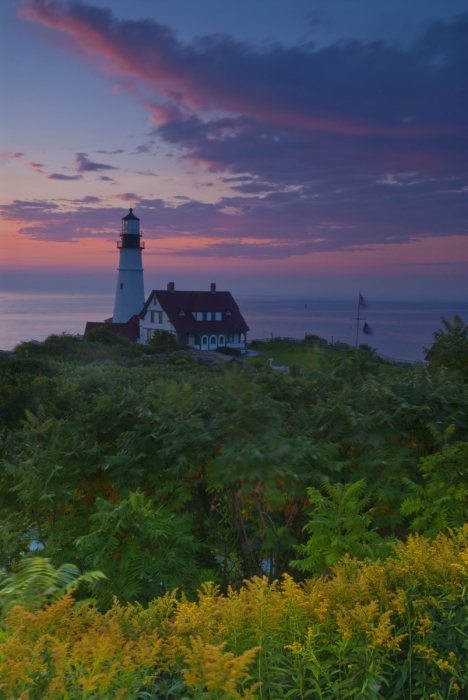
400, 329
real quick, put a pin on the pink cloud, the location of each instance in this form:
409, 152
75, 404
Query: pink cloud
36, 166
287, 88
9, 154
128, 197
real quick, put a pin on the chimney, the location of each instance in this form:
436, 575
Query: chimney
213, 287
170, 286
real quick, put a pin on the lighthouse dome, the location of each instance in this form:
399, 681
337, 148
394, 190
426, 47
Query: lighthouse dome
130, 224
130, 216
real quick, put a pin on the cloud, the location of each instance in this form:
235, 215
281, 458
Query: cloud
273, 226
84, 165
59, 176
112, 153
36, 166
348, 145
128, 197
143, 148
105, 178
9, 154
351, 89
147, 173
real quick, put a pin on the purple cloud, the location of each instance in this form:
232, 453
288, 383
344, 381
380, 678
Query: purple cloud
84, 165
59, 176
112, 153
318, 146
9, 154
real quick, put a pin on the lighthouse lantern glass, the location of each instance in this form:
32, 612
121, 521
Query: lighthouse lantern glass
131, 227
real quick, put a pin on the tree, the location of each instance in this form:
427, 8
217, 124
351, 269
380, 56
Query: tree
450, 347
338, 526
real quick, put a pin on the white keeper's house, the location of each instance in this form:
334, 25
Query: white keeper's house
202, 320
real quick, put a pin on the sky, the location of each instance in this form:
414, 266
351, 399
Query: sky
286, 147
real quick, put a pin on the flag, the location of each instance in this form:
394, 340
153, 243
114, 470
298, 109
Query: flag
362, 301
367, 329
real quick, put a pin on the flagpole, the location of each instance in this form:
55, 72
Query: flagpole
357, 321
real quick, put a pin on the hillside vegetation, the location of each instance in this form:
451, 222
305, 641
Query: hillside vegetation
339, 491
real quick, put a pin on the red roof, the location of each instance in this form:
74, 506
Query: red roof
129, 330
173, 303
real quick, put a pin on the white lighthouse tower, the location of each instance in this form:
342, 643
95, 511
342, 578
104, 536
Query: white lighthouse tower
130, 294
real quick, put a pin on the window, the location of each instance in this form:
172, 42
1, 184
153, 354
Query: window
230, 337
205, 316
219, 316
182, 313
228, 313
204, 341
121, 285
156, 317
221, 340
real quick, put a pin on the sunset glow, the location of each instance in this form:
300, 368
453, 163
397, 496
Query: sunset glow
308, 155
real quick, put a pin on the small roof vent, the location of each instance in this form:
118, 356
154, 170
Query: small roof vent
170, 287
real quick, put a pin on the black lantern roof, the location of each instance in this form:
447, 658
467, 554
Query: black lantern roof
130, 217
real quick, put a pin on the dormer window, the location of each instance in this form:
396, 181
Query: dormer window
228, 313
182, 313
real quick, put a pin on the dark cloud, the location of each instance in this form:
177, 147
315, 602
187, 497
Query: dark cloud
84, 165
112, 153
143, 148
60, 176
324, 149
106, 179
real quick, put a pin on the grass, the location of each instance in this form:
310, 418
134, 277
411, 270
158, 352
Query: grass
282, 353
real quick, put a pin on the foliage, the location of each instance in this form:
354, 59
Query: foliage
337, 526
37, 582
99, 344
144, 548
194, 473
394, 630
104, 335
450, 347
315, 339
442, 500
163, 341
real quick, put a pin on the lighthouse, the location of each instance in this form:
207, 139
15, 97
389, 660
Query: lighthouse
130, 294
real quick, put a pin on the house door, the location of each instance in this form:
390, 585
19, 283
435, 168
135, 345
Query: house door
204, 343
213, 342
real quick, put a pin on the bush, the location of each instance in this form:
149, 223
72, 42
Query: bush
315, 339
370, 630
104, 335
163, 341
